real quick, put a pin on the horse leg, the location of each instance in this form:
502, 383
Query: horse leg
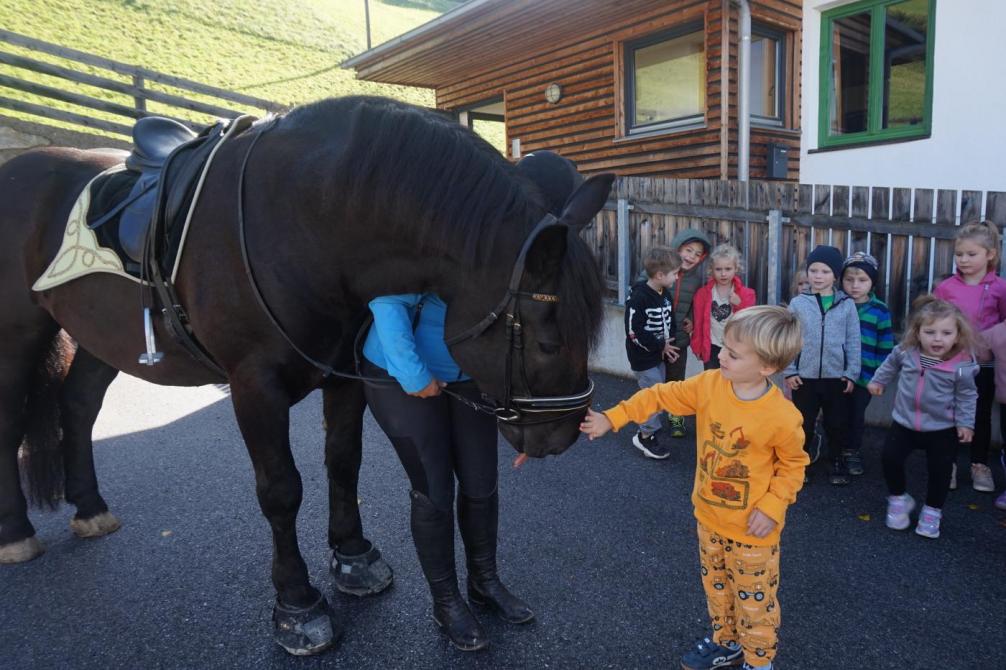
22, 367
80, 401
302, 617
357, 567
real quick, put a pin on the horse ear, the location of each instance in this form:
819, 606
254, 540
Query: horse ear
587, 201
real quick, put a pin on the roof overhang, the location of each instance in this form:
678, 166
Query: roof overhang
483, 34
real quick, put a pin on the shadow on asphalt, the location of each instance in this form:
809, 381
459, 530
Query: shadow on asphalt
600, 540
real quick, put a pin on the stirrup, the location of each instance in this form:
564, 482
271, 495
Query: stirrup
152, 356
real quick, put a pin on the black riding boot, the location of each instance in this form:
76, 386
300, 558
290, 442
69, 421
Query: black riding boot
433, 534
478, 520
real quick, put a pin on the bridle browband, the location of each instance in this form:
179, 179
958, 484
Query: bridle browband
539, 409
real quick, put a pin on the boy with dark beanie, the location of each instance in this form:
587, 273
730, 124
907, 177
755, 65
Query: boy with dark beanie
828, 365
859, 279
692, 246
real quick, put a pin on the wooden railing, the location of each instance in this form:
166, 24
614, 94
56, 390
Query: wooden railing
126, 90
775, 225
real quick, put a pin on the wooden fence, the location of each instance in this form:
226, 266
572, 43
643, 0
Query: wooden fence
775, 225
123, 91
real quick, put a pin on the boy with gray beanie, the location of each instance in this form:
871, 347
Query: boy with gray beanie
829, 363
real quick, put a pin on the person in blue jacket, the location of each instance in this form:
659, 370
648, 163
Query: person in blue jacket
440, 440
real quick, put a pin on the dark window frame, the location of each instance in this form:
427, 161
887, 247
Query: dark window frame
689, 122
780, 36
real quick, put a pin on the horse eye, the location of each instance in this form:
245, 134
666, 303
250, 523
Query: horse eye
550, 349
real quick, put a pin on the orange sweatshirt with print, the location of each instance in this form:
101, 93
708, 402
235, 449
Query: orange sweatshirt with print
749, 452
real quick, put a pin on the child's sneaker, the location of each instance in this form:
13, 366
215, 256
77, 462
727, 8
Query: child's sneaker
1001, 501
838, 476
898, 509
677, 424
953, 477
981, 478
929, 522
853, 462
649, 445
708, 655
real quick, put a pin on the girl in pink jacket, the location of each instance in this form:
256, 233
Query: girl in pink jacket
716, 301
995, 340
981, 295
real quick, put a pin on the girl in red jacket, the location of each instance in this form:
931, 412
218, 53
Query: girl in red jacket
716, 301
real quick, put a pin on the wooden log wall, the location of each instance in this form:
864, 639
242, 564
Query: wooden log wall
909, 230
587, 124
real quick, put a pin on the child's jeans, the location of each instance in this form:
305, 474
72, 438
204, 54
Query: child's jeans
646, 379
741, 582
857, 402
941, 450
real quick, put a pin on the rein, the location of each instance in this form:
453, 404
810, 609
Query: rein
514, 408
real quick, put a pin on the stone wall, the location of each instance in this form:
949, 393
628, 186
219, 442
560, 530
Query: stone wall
17, 136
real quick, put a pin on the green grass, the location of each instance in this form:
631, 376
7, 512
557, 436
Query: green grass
287, 51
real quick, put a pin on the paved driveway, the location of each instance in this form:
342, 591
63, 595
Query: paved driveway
599, 540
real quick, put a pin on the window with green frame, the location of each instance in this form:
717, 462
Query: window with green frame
876, 72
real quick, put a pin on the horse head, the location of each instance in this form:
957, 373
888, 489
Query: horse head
531, 360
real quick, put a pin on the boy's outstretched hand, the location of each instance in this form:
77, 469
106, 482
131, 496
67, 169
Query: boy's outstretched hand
595, 424
760, 524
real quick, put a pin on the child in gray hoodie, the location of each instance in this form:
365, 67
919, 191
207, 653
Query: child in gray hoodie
829, 362
934, 407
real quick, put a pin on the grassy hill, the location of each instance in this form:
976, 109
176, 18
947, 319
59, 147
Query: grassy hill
287, 51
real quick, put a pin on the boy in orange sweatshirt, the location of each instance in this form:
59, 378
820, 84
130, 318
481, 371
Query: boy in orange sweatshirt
749, 467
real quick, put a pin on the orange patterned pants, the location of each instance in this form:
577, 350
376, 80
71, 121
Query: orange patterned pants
741, 582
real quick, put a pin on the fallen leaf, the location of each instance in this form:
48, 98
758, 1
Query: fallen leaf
166, 533
972, 506
863, 517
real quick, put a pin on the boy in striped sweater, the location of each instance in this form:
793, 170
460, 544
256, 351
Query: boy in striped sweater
859, 276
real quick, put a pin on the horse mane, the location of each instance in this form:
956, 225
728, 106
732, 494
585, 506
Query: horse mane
425, 178
437, 184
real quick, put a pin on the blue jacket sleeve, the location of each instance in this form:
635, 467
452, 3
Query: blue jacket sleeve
393, 324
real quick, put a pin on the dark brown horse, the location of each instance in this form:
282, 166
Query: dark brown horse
344, 200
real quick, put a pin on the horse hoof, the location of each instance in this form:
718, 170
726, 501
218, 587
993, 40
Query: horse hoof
365, 574
304, 631
97, 526
21, 551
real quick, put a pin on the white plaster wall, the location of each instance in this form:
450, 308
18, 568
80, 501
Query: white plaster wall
967, 149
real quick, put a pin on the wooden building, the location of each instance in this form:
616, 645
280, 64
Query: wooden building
631, 86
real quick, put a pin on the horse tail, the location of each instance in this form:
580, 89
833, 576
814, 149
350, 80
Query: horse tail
41, 456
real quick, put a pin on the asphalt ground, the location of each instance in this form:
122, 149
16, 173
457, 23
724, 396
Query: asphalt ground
599, 540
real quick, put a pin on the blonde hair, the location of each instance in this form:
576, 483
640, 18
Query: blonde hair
726, 251
928, 308
773, 332
661, 259
794, 287
984, 234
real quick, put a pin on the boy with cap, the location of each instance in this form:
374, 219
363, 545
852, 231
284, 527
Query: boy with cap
859, 278
827, 367
692, 246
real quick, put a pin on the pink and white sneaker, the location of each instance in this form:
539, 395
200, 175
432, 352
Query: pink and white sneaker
898, 509
929, 522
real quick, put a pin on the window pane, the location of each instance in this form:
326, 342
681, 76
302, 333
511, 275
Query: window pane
850, 73
764, 74
905, 33
670, 80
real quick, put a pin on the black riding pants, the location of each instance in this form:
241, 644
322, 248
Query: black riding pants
437, 439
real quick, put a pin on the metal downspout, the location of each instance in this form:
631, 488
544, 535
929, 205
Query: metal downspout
744, 93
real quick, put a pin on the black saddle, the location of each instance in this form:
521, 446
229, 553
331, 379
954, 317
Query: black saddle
154, 138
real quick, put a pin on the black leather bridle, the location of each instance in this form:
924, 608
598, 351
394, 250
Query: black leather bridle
515, 410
